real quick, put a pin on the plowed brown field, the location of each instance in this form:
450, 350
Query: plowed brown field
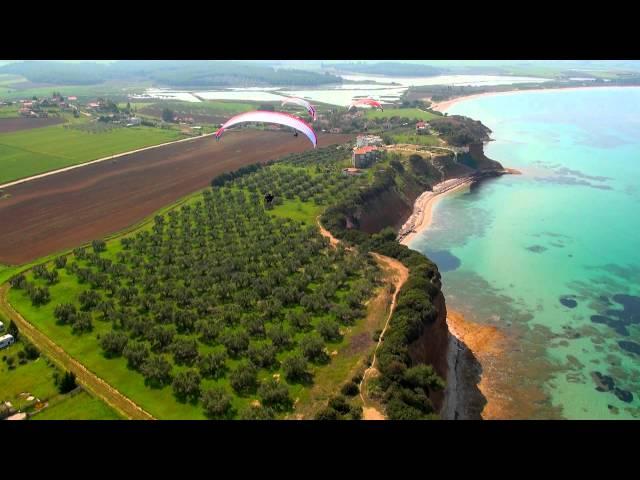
65, 210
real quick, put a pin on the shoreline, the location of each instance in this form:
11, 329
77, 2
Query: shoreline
470, 393
422, 214
446, 104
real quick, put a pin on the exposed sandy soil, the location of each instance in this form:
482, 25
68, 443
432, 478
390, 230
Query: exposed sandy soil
65, 210
487, 343
24, 123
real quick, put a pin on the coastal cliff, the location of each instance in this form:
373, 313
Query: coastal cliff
419, 332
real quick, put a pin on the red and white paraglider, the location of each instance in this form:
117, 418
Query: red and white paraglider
279, 118
366, 101
303, 103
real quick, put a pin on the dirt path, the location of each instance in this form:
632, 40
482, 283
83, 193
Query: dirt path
401, 275
87, 379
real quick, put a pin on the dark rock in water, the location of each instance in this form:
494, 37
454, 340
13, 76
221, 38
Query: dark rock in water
605, 299
445, 260
623, 395
537, 248
621, 330
568, 302
630, 346
617, 325
613, 409
620, 314
604, 383
630, 303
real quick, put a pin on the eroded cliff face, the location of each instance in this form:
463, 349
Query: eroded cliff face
393, 207
450, 357
390, 209
432, 348
453, 361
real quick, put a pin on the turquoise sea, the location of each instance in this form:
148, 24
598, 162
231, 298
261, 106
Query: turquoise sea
552, 257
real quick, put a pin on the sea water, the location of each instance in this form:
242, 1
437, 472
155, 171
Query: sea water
552, 257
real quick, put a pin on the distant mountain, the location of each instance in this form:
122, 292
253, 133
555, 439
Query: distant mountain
189, 73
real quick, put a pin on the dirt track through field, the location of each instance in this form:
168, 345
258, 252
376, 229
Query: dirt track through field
86, 378
62, 211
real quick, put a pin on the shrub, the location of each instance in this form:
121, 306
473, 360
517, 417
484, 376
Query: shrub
275, 394
295, 368
217, 403
67, 383
257, 412
156, 370
350, 389
186, 385
114, 343
244, 378
213, 364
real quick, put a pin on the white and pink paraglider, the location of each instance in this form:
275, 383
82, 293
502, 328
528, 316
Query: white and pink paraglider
278, 118
303, 103
366, 102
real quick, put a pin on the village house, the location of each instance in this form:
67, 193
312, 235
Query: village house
133, 121
368, 140
362, 157
421, 127
6, 340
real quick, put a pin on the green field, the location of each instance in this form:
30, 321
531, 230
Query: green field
37, 378
30, 152
77, 406
209, 107
414, 139
411, 113
83, 92
9, 111
34, 377
309, 185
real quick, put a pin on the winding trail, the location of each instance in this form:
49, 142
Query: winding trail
90, 381
401, 275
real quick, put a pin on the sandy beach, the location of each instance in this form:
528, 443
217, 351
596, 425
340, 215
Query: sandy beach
482, 341
422, 214
445, 105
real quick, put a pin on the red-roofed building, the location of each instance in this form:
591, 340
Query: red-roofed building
364, 156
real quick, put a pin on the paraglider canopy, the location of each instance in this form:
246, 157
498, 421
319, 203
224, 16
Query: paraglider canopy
279, 118
303, 103
366, 101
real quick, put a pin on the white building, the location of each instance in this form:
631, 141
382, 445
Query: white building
6, 340
368, 141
